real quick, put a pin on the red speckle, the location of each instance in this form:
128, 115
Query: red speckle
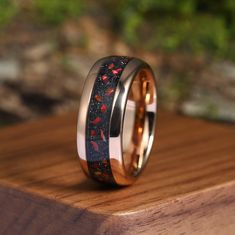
103, 108
96, 120
96, 165
105, 162
104, 78
109, 91
102, 135
93, 133
95, 146
116, 71
98, 98
111, 66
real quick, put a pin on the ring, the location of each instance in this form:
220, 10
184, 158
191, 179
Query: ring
116, 120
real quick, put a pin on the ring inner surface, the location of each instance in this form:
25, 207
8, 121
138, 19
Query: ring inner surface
139, 121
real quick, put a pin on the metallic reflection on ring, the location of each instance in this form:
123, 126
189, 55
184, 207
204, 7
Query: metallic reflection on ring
132, 123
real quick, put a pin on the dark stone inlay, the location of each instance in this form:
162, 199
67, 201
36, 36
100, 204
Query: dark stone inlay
98, 118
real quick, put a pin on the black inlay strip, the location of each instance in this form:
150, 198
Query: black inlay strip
98, 118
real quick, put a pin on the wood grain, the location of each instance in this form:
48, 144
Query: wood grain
188, 187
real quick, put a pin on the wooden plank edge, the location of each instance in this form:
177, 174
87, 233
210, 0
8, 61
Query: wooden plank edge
204, 212
209, 211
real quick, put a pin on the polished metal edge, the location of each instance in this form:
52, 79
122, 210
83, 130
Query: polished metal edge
116, 119
82, 113
121, 176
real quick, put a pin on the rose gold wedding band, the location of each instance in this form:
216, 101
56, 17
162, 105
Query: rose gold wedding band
116, 120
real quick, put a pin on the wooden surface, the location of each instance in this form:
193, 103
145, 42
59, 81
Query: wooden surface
188, 186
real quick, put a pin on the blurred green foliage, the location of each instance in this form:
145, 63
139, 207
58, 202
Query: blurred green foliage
56, 11
8, 10
50, 11
196, 26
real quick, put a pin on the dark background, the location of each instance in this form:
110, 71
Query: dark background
47, 48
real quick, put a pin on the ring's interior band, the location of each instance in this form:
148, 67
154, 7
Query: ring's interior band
139, 121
